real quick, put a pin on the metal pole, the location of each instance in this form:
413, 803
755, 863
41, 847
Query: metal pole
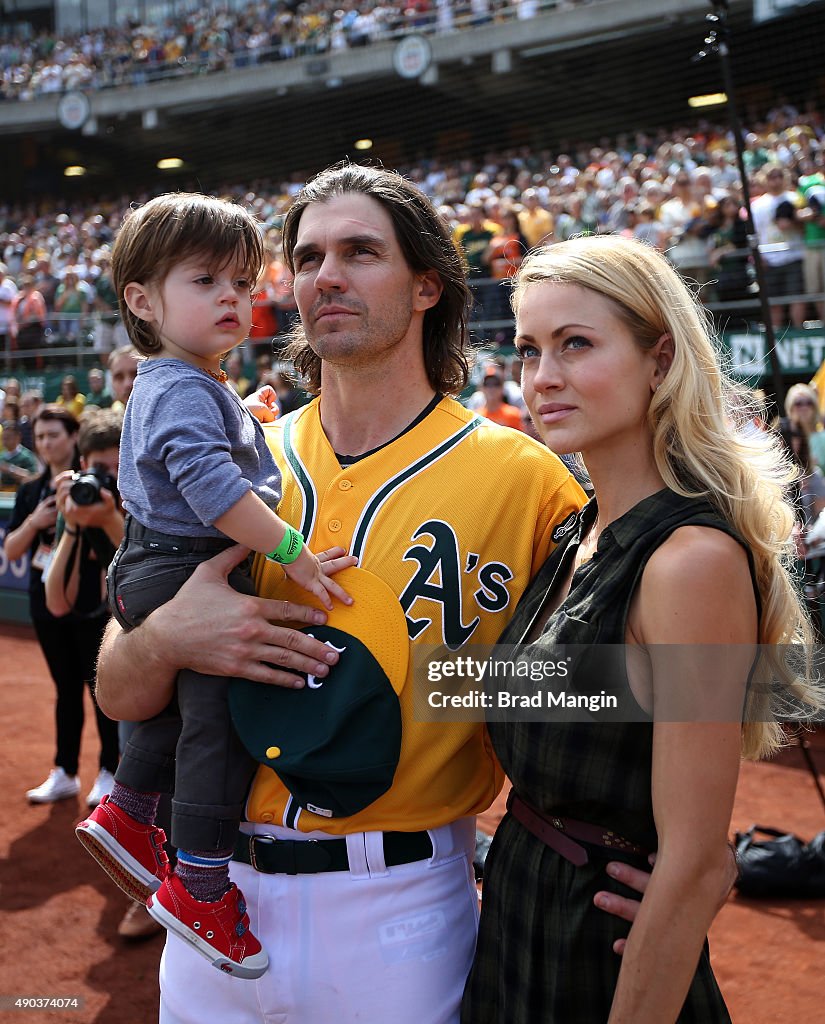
718, 41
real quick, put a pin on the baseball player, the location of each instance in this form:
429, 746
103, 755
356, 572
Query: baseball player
369, 917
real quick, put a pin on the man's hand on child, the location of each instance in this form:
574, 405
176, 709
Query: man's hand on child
264, 404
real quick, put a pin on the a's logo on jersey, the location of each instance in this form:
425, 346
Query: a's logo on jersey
438, 579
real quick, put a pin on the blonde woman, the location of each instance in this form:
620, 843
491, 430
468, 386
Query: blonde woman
802, 409
680, 563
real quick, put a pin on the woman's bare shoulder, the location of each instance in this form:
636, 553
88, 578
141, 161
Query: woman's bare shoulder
697, 588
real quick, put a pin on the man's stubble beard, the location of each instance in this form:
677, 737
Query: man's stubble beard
364, 344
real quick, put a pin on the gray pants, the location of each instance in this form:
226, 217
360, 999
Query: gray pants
190, 749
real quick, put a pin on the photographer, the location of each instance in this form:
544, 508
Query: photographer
70, 638
89, 532
90, 526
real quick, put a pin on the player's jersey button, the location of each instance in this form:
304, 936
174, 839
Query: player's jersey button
344, 485
334, 525
267, 817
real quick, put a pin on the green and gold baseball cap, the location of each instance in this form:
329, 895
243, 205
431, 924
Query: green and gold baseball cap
335, 743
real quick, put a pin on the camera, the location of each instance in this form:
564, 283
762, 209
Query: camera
85, 489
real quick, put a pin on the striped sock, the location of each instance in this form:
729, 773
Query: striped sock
204, 873
141, 806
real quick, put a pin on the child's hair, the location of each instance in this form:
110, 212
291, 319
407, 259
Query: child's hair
171, 228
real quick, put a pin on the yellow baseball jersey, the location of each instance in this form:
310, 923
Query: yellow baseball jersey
455, 515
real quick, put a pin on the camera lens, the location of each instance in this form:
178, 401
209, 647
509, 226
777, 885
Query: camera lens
85, 489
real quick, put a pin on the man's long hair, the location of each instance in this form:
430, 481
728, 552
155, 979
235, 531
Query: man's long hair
427, 246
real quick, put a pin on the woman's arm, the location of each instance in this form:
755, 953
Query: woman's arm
18, 542
210, 628
44, 516
696, 595
638, 879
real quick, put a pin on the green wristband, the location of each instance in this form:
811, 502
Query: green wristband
289, 548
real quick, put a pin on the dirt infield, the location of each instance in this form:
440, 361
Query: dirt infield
59, 913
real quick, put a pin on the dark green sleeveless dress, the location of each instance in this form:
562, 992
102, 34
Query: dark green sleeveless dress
544, 952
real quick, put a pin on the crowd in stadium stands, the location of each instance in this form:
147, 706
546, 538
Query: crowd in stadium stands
679, 191
207, 40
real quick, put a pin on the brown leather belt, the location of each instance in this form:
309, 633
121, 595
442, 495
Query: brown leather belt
560, 833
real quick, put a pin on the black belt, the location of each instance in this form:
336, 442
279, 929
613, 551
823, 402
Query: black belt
312, 856
154, 540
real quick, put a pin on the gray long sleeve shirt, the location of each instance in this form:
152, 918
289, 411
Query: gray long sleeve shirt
190, 451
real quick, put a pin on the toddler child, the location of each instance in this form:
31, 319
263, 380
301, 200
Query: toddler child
195, 477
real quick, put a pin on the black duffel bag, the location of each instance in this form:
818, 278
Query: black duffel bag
783, 867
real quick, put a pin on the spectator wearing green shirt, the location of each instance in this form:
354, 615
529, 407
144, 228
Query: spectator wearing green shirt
72, 304
109, 330
756, 154
96, 393
473, 238
17, 464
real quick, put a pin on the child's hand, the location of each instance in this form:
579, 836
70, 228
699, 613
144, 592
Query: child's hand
335, 559
308, 572
264, 404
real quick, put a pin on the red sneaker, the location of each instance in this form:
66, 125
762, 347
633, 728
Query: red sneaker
219, 931
130, 852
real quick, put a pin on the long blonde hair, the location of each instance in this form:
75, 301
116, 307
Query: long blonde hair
696, 418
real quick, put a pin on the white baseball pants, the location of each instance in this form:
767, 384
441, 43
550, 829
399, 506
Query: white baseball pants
370, 945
